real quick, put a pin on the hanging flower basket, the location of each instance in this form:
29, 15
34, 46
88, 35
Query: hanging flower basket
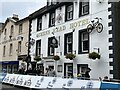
56, 57
94, 55
70, 56
37, 58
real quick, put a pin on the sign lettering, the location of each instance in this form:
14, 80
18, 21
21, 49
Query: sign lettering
72, 25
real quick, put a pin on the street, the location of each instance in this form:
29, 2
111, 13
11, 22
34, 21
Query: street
10, 87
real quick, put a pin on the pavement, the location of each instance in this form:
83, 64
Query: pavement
11, 87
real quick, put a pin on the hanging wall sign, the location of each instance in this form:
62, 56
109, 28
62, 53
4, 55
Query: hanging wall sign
53, 42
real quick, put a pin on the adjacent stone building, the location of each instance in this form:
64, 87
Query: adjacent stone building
13, 44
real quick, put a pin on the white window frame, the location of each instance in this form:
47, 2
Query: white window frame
82, 40
39, 24
38, 48
69, 12
52, 19
52, 50
69, 42
85, 5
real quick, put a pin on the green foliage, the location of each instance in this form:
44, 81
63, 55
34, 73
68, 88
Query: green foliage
56, 57
70, 56
94, 55
37, 58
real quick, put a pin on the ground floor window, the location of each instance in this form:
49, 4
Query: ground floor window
81, 69
15, 68
9, 67
4, 68
68, 69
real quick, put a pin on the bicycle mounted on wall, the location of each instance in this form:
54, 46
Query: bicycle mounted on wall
95, 25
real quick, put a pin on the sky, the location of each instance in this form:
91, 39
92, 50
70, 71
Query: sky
22, 8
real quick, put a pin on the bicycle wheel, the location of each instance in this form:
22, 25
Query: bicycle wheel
99, 28
89, 28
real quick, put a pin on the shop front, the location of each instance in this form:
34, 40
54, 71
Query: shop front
9, 66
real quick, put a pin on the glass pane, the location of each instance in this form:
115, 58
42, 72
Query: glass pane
85, 45
70, 47
85, 36
69, 8
85, 9
69, 39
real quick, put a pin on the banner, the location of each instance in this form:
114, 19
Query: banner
42, 82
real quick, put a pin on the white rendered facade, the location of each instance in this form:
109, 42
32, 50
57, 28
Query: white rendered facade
100, 67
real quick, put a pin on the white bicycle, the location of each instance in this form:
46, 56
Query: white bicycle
95, 25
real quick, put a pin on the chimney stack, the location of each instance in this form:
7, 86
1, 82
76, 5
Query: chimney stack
15, 17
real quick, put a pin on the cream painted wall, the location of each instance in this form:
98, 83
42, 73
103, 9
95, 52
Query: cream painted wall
24, 34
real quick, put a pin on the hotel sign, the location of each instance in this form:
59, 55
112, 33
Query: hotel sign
64, 27
6, 41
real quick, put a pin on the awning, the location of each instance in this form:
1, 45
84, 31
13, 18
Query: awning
9, 62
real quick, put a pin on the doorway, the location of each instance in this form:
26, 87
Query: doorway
68, 69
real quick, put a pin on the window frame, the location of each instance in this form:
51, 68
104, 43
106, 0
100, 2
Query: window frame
12, 30
69, 13
11, 49
82, 6
51, 50
4, 51
20, 28
38, 48
19, 47
80, 45
52, 19
39, 24
5, 34
66, 47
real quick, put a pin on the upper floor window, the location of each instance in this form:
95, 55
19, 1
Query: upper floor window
51, 49
39, 26
11, 32
84, 8
20, 28
52, 19
4, 51
11, 49
38, 48
69, 12
5, 32
68, 43
83, 42
19, 47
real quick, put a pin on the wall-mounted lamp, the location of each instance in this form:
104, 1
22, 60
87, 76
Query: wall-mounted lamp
32, 41
97, 50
